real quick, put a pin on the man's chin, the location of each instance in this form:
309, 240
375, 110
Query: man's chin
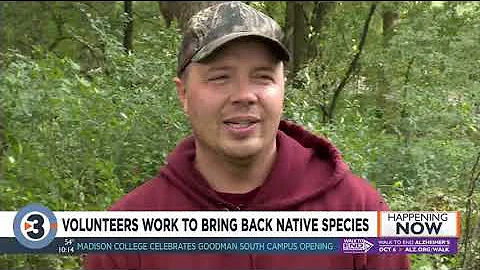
242, 151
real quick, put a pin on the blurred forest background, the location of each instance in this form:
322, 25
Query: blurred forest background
88, 110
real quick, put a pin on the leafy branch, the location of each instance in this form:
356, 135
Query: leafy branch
353, 64
467, 239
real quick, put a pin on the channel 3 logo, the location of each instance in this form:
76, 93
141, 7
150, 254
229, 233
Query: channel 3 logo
35, 226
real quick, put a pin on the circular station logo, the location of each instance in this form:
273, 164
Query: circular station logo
35, 226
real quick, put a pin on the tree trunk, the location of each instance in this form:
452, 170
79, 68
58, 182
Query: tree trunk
128, 28
467, 239
59, 21
166, 13
390, 19
318, 22
289, 30
3, 144
182, 11
476, 235
3, 44
385, 107
300, 47
296, 32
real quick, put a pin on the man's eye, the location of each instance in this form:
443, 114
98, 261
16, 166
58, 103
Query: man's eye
265, 77
218, 78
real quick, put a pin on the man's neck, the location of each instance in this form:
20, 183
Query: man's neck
234, 176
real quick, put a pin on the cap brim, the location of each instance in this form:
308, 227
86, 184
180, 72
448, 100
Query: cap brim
208, 49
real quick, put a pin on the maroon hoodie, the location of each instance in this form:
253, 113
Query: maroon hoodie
308, 175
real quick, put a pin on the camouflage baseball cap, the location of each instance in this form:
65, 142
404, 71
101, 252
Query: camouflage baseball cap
214, 26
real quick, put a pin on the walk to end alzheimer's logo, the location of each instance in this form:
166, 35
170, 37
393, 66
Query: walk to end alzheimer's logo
35, 226
356, 245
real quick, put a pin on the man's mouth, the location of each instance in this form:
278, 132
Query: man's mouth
241, 122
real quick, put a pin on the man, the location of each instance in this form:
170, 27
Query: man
242, 156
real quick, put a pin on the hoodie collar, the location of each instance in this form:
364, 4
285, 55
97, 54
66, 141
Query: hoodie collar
305, 167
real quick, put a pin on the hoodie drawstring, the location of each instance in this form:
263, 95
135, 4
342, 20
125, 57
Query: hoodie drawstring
231, 207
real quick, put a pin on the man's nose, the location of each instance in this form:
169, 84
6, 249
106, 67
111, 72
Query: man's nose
244, 93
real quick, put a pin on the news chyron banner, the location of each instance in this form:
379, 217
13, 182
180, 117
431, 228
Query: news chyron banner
37, 229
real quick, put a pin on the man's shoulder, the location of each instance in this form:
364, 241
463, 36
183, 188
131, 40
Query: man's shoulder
367, 192
361, 194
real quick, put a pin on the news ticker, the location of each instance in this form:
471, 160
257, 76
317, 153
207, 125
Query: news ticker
37, 229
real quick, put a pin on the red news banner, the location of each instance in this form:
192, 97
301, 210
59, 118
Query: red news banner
37, 229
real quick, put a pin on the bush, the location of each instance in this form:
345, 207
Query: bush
79, 140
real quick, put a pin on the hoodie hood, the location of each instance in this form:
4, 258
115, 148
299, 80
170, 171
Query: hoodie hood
306, 167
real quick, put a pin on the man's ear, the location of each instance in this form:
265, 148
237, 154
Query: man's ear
181, 92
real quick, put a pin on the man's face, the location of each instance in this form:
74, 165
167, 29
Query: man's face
234, 100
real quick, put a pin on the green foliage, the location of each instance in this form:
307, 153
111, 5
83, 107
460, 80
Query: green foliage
80, 139
420, 155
